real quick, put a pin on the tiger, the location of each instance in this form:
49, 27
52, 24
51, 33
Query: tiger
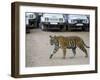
70, 42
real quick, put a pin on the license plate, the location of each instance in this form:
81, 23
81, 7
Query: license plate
53, 23
79, 24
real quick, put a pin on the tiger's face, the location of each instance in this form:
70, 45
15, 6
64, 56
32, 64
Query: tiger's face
52, 40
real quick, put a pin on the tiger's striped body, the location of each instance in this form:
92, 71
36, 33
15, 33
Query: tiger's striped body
71, 42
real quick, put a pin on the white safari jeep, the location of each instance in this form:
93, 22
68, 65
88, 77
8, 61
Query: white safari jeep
31, 20
78, 22
52, 21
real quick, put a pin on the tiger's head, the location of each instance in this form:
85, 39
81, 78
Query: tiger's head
53, 40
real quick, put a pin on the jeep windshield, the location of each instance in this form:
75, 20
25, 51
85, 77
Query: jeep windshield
77, 17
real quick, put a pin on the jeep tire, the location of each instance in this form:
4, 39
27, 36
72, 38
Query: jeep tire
63, 28
43, 28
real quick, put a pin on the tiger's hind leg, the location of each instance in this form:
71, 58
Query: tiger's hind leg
64, 53
54, 51
84, 50
74, 51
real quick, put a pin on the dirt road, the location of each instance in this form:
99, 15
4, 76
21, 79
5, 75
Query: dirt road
38, 49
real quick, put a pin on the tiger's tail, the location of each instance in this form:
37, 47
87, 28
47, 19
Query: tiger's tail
85, 45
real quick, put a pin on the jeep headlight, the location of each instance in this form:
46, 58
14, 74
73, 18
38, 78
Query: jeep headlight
60, 20
73, 21
46, 19
85, 21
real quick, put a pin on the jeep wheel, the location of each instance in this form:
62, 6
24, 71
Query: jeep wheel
66, 27
43, 28
85, 29
69, 28
63, 28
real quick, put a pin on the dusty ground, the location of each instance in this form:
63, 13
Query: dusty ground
38, 49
